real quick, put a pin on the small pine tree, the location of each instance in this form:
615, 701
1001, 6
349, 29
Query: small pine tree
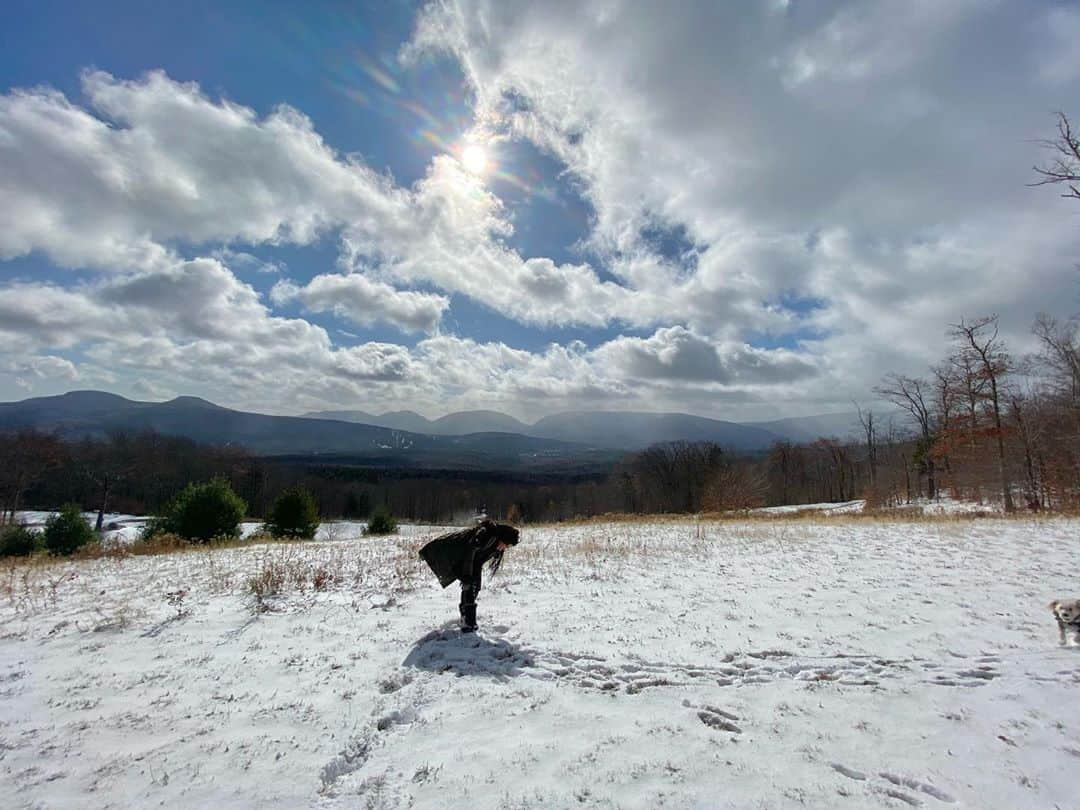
203, 512
67, 531
18, 541
294, 514
382, 522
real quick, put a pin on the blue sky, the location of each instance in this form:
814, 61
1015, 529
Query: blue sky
749, 212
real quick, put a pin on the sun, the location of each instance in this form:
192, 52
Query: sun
474, 158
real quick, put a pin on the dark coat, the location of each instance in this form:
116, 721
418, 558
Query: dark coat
461, 555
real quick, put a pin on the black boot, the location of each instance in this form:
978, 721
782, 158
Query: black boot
468, 607
470, 589
468, 618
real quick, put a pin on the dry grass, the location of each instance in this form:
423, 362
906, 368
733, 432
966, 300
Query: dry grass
31, 584
157, 545
280, 571
259, 568
894, 514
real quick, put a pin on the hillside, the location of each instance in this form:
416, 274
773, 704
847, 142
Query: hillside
633, 431
468, 438
617, 429
93, 414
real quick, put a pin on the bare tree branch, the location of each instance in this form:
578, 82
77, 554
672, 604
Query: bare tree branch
1064, 167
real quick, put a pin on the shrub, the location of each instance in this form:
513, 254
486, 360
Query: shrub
294, 514
202, 512
67, 531
381, 521
155, 527
18, 541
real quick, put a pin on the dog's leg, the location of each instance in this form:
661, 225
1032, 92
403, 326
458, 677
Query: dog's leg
1076, 637
1061, 633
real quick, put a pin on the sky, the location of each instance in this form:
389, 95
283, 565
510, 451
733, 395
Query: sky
744, 210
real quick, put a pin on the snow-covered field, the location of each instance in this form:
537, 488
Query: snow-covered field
823, 663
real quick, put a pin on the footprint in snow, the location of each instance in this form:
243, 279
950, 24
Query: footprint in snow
718, 719
850, 773
894, 782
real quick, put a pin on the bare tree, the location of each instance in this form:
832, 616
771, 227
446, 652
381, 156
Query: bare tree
1064, 166
735, 487
782, 464
945, 396
25, 456
1057, 403
866, 419
105, 465
1061, 352
911, 394
835, 473
1032, 489
674, 476
961, 387
980, 338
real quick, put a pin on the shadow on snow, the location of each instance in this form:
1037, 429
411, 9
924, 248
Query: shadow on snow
449, 650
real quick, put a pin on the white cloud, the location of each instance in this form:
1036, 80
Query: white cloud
43, 367
144, 389
869, 157
194, 322
154, 162
194, 327
154, 165
851, 175
364, 301
454, 242
873, 40
678, 355
46, 314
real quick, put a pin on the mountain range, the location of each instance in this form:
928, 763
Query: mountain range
480, 440
80, 414
623, 430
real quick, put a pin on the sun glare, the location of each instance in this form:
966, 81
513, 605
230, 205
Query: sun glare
474, 158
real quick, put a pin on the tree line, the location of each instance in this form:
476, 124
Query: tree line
980, 424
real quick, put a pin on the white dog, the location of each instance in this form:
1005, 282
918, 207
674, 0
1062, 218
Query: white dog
1067, 613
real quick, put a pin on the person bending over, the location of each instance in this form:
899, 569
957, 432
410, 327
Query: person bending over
461, 556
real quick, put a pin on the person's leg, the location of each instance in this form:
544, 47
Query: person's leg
468, 607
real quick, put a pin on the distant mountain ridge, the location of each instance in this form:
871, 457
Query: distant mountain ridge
626, 430
80, 414
803, 429
453, 424
630, 430
466, 440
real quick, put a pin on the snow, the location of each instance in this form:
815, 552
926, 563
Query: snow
128, 528
842, 508
765, 664
954, 506
942, 505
